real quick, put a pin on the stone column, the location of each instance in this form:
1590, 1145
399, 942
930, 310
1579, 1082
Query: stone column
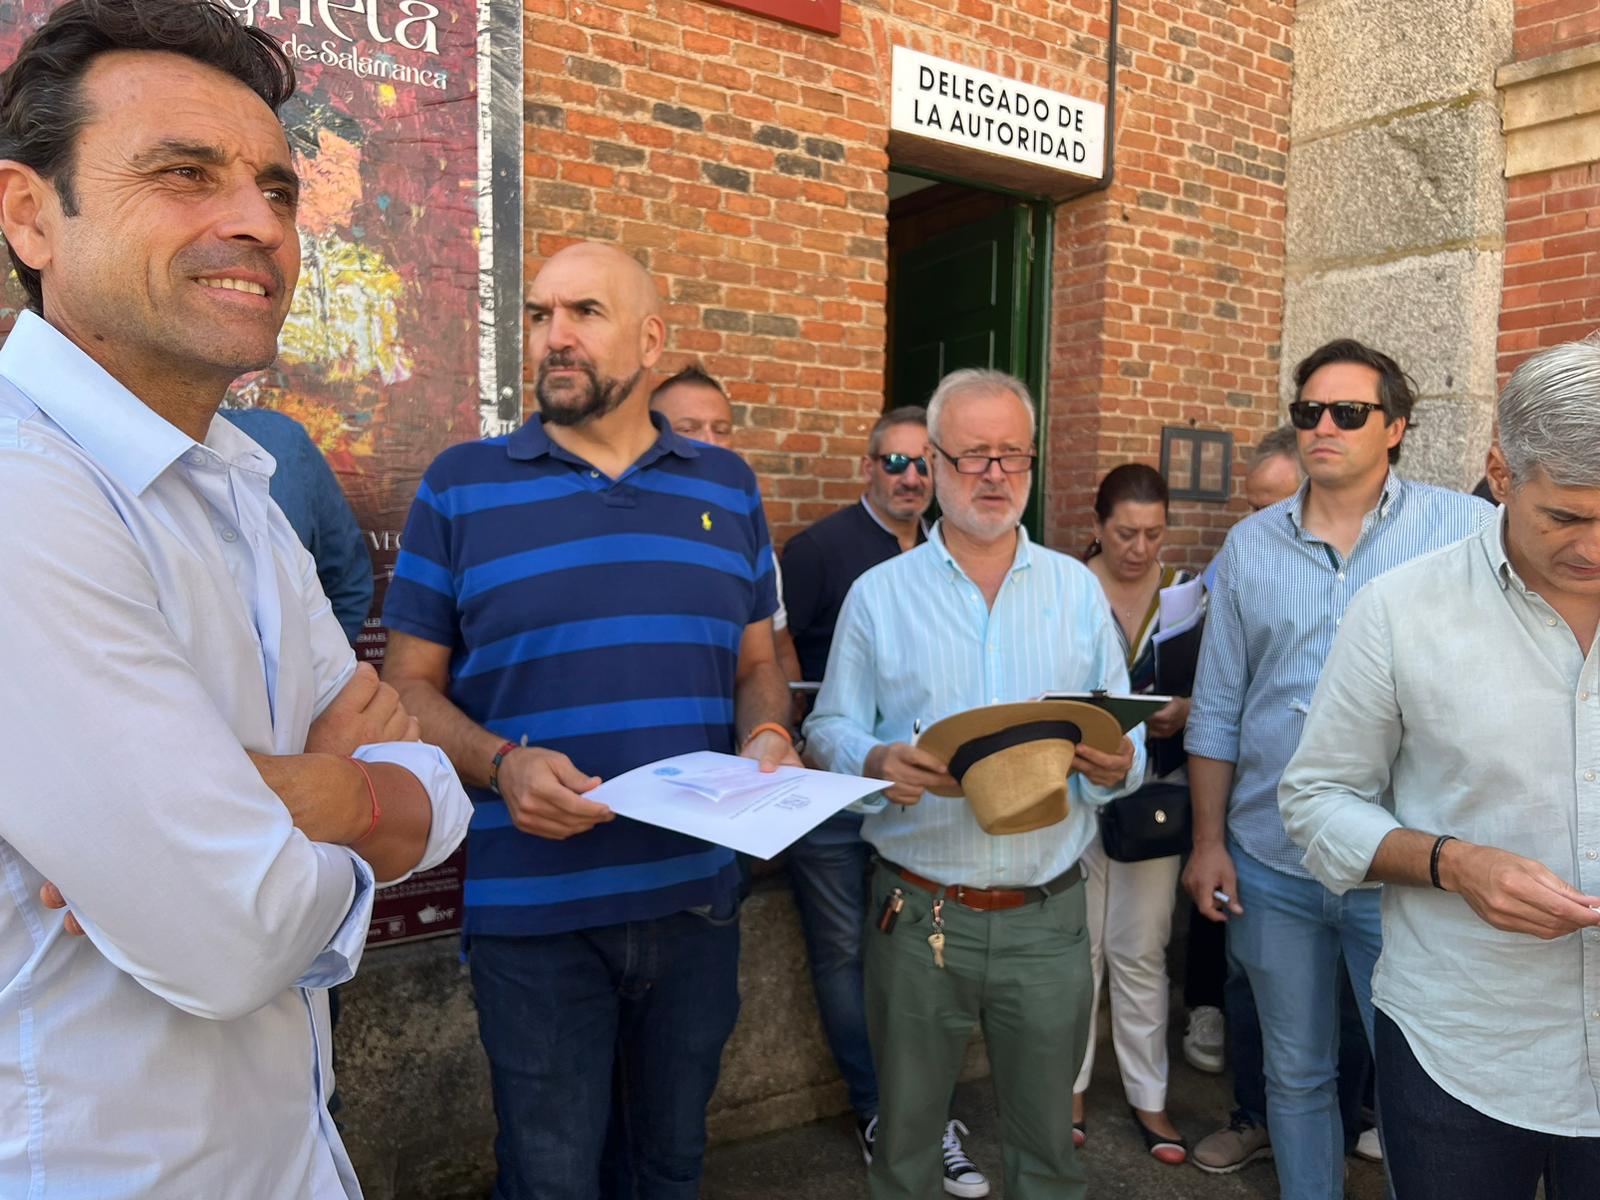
1396, 221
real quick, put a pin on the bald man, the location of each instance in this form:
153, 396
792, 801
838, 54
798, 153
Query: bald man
588, 594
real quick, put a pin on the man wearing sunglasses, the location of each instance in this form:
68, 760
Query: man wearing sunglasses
1283, 580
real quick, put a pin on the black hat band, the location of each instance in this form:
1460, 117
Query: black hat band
980, 748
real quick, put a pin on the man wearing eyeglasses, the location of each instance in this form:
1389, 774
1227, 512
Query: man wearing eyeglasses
976, 615
1284, 578
829, 867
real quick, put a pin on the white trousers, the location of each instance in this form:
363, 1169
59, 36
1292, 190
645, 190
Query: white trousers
1130, 919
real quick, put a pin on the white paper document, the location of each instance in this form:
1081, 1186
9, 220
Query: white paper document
727, 800
1182, 606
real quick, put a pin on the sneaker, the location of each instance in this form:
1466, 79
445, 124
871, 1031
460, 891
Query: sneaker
867, 1135
1227, 1150
1369, 1147
1202, 1044
961, 1175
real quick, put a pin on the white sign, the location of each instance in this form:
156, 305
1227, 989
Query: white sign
962, 106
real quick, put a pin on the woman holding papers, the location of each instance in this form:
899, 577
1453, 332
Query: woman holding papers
1130, 903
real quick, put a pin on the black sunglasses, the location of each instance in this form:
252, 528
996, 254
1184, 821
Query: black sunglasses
896, 464
1347, 414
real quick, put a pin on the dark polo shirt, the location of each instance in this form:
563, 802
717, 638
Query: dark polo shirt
819, 565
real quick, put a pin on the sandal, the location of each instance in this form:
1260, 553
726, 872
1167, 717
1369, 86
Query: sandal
1172, 1151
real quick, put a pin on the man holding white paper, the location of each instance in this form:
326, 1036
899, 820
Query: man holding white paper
977, 615
585, 595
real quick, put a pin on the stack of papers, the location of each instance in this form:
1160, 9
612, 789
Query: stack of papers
725, 799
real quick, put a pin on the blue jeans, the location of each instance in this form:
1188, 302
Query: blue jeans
1441, 1149
1244, 1050
1289, 941
604, 1046
830, 871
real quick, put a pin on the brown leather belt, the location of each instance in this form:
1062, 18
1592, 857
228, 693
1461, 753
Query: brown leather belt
991, 899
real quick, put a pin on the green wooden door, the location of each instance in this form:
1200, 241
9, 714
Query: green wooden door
962, 299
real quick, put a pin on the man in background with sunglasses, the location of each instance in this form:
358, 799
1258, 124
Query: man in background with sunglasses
1283, 580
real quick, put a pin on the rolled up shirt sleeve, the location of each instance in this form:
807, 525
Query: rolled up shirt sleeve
1216, 709
1335, 792
451, 808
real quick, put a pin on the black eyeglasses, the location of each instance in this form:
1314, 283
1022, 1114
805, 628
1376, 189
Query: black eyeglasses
896, 464
1347, 414
978, 464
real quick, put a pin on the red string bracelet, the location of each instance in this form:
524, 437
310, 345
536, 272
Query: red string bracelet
372, 791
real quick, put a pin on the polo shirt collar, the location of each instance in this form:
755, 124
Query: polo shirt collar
529, 441
125, 437
922, 525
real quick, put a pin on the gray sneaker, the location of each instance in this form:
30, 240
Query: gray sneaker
1228, 1150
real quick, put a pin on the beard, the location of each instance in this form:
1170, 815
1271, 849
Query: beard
981, 524
594, 399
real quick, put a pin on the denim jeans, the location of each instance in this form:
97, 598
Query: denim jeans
604, 1046
1289, 941
1244, 1052
1441, 1149
830, 870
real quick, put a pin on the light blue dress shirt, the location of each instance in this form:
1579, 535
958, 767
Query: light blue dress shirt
916, 641
1457, 701
161, 618
1277, 598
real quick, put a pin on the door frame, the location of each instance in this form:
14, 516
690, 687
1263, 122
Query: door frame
1033, 254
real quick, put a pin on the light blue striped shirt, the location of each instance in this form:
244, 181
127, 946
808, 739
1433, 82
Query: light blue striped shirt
1279, 595
916, 641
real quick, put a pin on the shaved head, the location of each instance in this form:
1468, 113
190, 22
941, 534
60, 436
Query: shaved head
595, 328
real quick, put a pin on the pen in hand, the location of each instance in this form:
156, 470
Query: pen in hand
916, 732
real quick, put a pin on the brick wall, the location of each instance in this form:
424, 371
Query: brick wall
1552, 258
1169, 288
1548, 26
1552, 262
744, 161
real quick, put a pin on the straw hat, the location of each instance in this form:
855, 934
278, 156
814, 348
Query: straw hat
1011, 760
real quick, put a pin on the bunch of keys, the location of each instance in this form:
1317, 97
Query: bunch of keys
936, 938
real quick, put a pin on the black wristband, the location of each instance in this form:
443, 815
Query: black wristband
1433, 859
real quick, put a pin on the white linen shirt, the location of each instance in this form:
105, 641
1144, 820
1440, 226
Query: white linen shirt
1457, 701
159, 619
916, 641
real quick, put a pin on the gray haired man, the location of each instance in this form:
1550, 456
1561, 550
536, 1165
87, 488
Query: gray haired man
1453, 752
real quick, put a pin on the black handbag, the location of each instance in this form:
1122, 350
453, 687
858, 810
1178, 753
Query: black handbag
1152, 822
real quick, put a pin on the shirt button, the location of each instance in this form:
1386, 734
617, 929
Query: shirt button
594, 474
229, 535
1592, 855
194, 458
1588, 776
1583, 695
1340, 576
1550, 621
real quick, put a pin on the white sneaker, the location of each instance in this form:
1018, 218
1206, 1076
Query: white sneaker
1202, 1044
1369, 1147
961, 1175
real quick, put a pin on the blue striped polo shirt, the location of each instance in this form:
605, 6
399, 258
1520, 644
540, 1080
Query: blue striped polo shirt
599, 617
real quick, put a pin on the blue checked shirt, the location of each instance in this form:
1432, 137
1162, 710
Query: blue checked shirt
916, 641
1279, 595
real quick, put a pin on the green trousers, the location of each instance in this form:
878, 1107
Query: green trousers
1023, 974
